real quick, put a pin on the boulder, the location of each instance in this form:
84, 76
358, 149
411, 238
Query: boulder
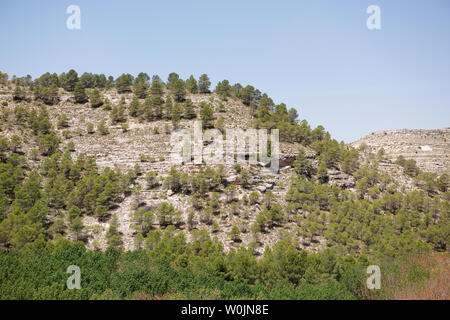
231, 179
261, 189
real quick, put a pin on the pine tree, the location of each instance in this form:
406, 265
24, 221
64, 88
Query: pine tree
134, 107
117, 113
168, 106
248, 95
63, 121
123, 83
157, 103
107, 105
167, 214
140, 90
16, 143
101, 212
223, 89
322, 172
151, 179
171, 80
176, 114
110, 82
411, 168
235, 234
207, 116
142, 77
204, 83
147, 109
189, 111
156, 89
179, 90
96, 100
73, 213
77, 226
79, 93
293, 115
191, 85
442, 182
4, 147
69, 80
48, 144
19, 94
301, 164
141, 85
102, 128
87, 79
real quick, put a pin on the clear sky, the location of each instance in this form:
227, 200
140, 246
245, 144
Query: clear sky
317, 56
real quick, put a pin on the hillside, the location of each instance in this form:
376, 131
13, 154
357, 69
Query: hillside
91, 163
429, 148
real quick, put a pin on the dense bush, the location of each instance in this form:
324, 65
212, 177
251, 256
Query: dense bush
39, 272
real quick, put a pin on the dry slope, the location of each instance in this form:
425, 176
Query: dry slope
430, 148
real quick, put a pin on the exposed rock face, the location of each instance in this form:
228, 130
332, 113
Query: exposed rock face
430, 148
123, 150
340, 179
289, 152
146, 147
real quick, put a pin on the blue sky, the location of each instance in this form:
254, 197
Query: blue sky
317, 56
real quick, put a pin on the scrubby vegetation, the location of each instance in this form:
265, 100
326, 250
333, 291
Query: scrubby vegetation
177, 269
212, 232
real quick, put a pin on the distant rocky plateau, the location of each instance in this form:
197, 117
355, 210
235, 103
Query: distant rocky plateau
430, 148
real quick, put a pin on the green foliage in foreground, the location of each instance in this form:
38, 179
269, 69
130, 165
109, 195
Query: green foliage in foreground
175, 269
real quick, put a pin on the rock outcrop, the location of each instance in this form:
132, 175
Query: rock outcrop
430, 148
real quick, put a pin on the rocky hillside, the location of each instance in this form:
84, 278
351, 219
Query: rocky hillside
429, 148
325, 194
147, 145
